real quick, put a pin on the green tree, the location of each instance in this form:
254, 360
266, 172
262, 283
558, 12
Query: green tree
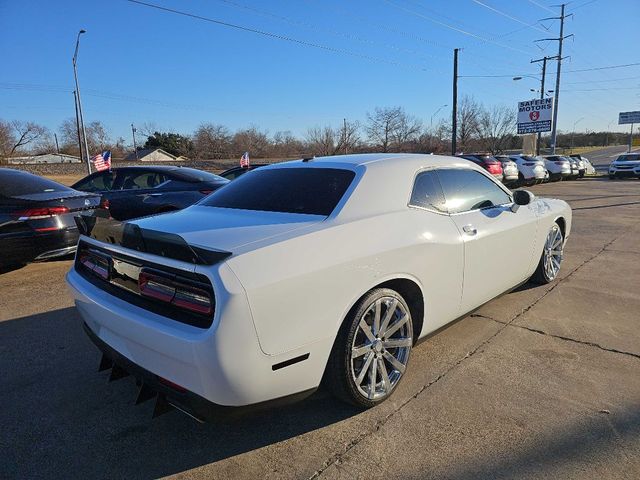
174, 143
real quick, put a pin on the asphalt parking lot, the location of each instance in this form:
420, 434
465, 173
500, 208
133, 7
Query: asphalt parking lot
541, 383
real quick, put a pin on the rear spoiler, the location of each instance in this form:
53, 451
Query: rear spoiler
131, 236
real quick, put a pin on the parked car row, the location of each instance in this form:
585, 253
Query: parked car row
517, 170
37, 214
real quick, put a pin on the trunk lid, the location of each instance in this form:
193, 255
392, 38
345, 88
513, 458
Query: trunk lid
226, 228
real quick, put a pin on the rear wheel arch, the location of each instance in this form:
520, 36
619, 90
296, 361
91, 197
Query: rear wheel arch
563, 225
412, 293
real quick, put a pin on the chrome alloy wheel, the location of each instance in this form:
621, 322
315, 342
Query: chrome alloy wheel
380, 348
552, 255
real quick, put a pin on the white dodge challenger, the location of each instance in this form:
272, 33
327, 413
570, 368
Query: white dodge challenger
325, 269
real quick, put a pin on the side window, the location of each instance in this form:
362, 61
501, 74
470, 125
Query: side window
99, 183
427, 192
466, 190
142, 180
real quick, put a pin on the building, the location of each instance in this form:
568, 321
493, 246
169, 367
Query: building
152, 155
44, 158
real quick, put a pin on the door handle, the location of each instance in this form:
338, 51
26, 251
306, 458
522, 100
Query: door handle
470, 229
155, 194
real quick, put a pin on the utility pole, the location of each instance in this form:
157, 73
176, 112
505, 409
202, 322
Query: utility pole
560, 39
55, 136
344, 126
135, 147
544, 72
75, 102
454, 114
79, 103
630, 138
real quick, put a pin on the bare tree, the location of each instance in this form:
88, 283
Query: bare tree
469, 114
212, 141
349, 137
251, 140
382, 125
333, 141
392, 127
407, 130
7, 139
25, 133
496, 128
285, 144
97, 137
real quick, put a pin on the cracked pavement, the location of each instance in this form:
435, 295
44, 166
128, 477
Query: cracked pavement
540, 383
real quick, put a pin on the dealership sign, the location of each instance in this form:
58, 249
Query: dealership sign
628, 117
535, 116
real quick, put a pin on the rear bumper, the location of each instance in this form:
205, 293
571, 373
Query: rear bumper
188, 402
38, 246
223, 364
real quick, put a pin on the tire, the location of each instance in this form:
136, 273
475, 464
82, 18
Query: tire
612, 177
348, 376
550, 262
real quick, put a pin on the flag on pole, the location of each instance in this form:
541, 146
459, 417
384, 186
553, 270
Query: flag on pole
102, 161
244, 161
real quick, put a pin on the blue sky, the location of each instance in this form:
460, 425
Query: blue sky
138, 64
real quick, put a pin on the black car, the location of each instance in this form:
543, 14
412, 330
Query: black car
131, 192
37, 217
235, 172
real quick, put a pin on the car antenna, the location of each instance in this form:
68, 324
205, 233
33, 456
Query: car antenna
307, 159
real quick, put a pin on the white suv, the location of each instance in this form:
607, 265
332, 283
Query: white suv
531, 170
627, 165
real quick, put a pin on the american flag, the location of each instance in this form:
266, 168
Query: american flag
244, 161
102, 161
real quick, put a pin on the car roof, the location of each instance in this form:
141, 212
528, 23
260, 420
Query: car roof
150, 168
381, 160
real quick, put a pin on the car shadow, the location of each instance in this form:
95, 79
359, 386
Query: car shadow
55, 401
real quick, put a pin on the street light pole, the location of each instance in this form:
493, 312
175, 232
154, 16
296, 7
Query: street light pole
135, 147
454, 114
75, 75
574, 129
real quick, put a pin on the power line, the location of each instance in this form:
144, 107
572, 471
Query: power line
609, 67
277, 36
541, 6
309, 25
506, 15
451, 27
584, 4
603, 81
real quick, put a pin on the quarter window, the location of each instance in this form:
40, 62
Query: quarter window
466, 190
427, 192
99, 183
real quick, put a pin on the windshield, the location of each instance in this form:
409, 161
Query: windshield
313, 191
14, 183
628, 158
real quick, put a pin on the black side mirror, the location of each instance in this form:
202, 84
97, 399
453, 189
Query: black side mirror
521, 197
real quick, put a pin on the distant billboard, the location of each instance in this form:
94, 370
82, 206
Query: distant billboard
535, 116
628, 117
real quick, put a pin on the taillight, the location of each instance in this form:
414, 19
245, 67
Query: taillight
96, 263
104, 203
176, 291
39, 213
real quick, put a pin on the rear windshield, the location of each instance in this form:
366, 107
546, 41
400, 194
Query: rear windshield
629, 158
195, 175
14, 183
313, 191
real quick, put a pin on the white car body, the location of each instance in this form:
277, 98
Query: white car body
292, 278
532, 170
558, 167
626, 165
